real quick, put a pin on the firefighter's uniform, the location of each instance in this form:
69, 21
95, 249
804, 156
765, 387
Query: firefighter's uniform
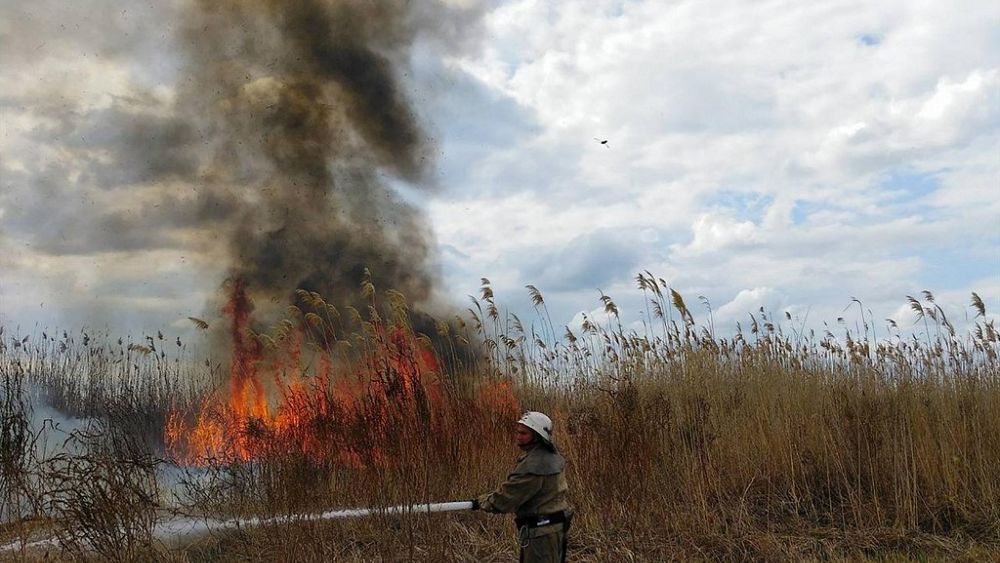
535, 492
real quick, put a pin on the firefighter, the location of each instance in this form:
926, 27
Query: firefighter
535, 492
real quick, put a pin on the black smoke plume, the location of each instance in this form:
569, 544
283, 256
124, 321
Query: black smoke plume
259, 140
301, 106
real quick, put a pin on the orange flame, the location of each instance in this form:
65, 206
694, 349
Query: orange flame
396, 394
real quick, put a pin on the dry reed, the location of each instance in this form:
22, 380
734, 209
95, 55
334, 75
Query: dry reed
771, 444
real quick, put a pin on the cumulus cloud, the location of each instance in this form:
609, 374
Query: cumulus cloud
715, 232
589, 261
747, 161
700, 100
766, 299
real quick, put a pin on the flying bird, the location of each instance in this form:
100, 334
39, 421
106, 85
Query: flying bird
199, 323
602, 141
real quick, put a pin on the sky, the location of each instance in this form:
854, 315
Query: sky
786, 155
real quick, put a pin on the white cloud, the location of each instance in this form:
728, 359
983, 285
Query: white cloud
809, 107
714, 232
752, 300
701, 98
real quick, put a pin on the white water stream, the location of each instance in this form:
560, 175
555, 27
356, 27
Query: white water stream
186, 526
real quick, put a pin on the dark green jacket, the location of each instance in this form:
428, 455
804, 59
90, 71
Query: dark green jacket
535, 487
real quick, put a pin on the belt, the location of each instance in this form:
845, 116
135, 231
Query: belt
539, 520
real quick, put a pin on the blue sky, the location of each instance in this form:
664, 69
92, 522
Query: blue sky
774, 154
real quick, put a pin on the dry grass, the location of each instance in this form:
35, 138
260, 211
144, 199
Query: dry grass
768, 445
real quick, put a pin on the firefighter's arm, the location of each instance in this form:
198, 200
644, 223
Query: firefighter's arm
512, 493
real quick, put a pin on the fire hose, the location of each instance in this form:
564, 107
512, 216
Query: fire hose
184, 526
405, 509
178, 527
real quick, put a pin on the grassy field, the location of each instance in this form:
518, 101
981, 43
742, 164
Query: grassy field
770, 444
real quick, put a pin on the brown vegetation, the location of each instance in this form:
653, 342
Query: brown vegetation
770, 444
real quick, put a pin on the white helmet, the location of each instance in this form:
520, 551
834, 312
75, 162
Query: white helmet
540, 423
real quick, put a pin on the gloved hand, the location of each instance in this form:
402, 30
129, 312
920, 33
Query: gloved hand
475, 504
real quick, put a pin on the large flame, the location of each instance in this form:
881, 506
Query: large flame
330, 411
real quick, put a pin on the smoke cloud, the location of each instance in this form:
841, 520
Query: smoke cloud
258, 138
306, 118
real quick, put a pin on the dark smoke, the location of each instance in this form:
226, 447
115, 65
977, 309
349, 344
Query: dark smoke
303, 107
254, 139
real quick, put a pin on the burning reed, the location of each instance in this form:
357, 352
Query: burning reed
324, 392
